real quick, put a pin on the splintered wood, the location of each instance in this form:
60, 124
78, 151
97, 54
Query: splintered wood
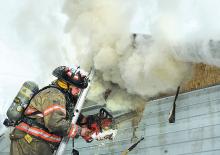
204, 76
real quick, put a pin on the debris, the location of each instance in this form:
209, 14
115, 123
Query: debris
132, 147
173, 110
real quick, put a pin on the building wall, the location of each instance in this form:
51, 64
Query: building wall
196, 130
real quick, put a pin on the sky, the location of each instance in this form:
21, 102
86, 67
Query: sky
31, 43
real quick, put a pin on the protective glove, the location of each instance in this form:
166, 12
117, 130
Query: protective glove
74, 129
86, 134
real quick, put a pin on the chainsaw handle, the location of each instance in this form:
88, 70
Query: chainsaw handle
103, 114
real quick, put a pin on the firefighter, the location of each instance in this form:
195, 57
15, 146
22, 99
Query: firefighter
47, 118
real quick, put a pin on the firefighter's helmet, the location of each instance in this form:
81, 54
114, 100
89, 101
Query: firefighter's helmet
73, 76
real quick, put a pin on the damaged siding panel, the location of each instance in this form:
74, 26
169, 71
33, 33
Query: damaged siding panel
182, 124
185, 112
189, 147
196, 130
187, 135
186, 99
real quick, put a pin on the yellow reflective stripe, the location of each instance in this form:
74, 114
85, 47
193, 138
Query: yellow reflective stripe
54, 108
31, 110
38, 133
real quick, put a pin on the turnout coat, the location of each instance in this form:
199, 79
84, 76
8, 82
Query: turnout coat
47, 108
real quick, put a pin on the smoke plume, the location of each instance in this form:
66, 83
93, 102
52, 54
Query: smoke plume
134, 69
176, 34
191, 28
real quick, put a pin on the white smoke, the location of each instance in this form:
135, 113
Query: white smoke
191, 27
176, 31
40, 28
101, 33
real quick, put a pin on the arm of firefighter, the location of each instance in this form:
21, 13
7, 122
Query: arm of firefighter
54, 112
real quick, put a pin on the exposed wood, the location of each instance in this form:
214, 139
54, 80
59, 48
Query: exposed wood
204, 76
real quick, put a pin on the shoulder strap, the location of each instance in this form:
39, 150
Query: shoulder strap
69, 100
38, 92
37, 112
32, 121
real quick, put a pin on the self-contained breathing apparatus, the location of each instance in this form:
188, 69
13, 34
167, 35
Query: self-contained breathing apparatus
29, 89
16, 110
